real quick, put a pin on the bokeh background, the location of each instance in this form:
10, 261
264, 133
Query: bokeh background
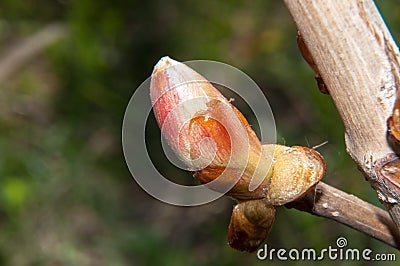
67, 71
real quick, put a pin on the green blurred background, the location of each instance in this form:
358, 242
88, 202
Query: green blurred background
66, 194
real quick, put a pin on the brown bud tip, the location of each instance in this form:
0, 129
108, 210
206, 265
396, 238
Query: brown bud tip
164, 63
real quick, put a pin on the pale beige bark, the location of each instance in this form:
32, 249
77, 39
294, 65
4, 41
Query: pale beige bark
358, 60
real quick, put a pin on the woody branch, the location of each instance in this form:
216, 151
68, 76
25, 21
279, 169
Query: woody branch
358, 60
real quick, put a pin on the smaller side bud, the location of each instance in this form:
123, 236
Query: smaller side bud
250, 224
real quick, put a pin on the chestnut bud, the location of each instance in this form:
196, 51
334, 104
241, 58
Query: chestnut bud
213, 139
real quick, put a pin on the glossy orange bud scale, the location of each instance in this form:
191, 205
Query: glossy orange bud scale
202, 126
205, 131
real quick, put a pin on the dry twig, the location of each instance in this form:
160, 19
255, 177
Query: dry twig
329, 202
